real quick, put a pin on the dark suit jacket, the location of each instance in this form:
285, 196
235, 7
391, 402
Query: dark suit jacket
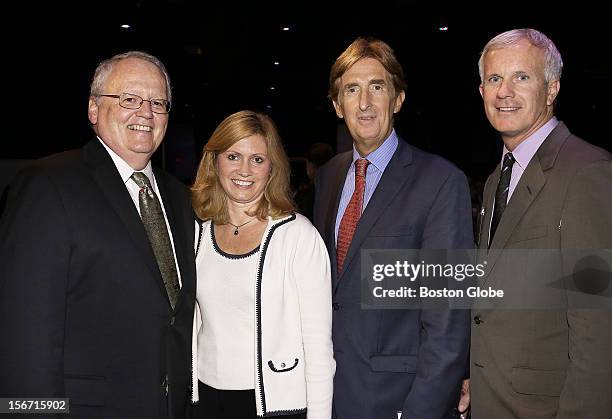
84, 313
549, 362
397, 360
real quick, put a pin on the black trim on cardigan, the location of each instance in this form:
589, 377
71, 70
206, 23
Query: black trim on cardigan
283, 369
283, 413
225, 254
262, 257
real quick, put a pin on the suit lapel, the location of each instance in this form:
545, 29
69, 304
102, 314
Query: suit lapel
531, 183
487, 209
338, 177
107, 177
179, 234
485, 222
392, 180
529, 186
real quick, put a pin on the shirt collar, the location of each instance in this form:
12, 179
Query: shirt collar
380, 157
525, 151
125, 170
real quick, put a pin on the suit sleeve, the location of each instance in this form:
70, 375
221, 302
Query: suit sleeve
586, 229
311, 269
34, 260
317, 215
445, 334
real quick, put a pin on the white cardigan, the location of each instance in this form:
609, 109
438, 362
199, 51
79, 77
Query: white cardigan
294, 364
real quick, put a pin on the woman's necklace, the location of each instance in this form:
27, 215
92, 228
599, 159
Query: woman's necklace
236, 227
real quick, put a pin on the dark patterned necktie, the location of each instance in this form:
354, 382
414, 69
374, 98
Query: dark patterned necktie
501, 195
352, 213
155, 226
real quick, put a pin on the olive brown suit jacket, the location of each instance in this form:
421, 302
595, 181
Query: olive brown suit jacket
546, 351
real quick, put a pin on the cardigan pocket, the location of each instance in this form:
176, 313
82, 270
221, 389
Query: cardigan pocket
283, 366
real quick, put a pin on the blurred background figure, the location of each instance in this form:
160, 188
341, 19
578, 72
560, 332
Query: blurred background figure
318, 154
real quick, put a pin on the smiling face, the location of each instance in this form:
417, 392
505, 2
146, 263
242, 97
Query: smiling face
517, 99
244, 170
367, 102
134, 134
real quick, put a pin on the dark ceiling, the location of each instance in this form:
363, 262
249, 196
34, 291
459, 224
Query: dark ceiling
221, 58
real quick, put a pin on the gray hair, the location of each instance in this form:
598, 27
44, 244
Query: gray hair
106, 66
553, 64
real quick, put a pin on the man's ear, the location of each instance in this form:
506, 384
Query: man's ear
92, 111
552, 91
398, 101
338, 108
481, 90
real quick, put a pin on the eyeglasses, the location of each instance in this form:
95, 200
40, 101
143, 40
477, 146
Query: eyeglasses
131, 101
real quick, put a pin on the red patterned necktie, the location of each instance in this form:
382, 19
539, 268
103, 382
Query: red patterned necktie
351, 214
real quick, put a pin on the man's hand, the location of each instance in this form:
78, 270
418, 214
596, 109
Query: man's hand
464, 401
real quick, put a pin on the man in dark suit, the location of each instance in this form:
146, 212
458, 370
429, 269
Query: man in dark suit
387, 194
540, 355
97, 276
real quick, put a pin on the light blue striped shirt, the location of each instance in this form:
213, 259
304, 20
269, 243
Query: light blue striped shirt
379, 159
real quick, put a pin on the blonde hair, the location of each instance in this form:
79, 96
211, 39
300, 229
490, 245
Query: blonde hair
366, 48
208, 198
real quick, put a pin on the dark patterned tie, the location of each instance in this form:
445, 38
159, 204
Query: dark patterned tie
351, 215
501, 195
155, 226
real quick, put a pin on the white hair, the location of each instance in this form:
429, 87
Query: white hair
106, 66
553, 64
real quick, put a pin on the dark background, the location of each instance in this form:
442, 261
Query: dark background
220, 56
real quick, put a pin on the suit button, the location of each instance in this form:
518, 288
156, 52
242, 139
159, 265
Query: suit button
172, 320
477, 320
336, 306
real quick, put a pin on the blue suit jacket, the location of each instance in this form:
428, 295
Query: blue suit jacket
390, 361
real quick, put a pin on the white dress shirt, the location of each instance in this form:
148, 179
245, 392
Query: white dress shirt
125, 171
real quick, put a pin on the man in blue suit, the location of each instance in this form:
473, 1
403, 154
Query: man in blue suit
387, 194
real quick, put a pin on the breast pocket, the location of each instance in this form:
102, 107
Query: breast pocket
390, 230
391, 236
85, 390
529, 233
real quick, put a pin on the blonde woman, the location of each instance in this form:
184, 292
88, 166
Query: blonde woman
262, 339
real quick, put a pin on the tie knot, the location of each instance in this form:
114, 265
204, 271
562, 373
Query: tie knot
361, 166
508, 160
141, 180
